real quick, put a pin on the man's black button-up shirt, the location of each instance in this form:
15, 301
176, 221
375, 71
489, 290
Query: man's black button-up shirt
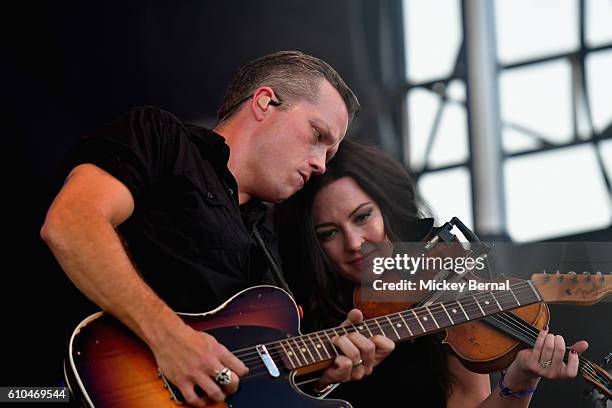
187, 236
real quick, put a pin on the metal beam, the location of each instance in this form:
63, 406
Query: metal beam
484, 119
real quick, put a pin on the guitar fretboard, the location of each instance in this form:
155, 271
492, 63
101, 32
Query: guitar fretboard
313, 348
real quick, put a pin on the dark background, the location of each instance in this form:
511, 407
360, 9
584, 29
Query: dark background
73, 66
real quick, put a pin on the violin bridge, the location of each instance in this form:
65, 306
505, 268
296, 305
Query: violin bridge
267, 360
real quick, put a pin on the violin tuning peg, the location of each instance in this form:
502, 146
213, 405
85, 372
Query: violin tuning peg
572, 275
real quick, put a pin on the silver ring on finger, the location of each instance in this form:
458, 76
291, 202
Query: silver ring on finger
360, 362
545, 364
223, 376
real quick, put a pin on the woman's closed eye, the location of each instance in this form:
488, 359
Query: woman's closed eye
363, 217
326, 235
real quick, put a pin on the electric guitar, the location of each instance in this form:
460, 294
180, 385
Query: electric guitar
108, 366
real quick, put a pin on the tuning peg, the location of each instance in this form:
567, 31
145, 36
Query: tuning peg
587, 274
572, 275
600, 276
559, 275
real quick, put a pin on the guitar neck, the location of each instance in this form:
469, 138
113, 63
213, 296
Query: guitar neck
314, 348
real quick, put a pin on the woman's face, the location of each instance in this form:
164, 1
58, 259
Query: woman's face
345, 217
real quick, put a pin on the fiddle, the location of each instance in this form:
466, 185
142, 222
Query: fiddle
491, 344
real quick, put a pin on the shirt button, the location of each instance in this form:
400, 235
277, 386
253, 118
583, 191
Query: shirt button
231, 191
210, 195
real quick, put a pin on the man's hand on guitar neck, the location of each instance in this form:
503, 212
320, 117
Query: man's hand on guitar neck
359, 354
189, 358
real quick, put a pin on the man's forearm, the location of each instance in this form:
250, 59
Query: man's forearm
92, 255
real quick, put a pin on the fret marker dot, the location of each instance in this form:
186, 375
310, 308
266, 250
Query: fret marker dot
454, 310
360, 327
290, 353
425, 318
486, 302
304, 350
318, 345
399, 325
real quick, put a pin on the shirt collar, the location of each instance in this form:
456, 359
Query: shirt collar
210, 143
213, 146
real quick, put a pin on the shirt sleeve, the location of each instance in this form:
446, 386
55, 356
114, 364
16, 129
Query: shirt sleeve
137, 148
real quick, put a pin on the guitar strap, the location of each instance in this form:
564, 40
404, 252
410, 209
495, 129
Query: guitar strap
276, 271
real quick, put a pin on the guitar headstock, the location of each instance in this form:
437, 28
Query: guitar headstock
584, 289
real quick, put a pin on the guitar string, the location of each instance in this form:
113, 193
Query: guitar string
589, 371
306, 349
278, 354
581, 363
262, 370
468, 307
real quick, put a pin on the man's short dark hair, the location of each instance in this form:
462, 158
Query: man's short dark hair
293, 75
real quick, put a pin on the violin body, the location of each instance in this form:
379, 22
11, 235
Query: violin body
480, 347
484, 349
